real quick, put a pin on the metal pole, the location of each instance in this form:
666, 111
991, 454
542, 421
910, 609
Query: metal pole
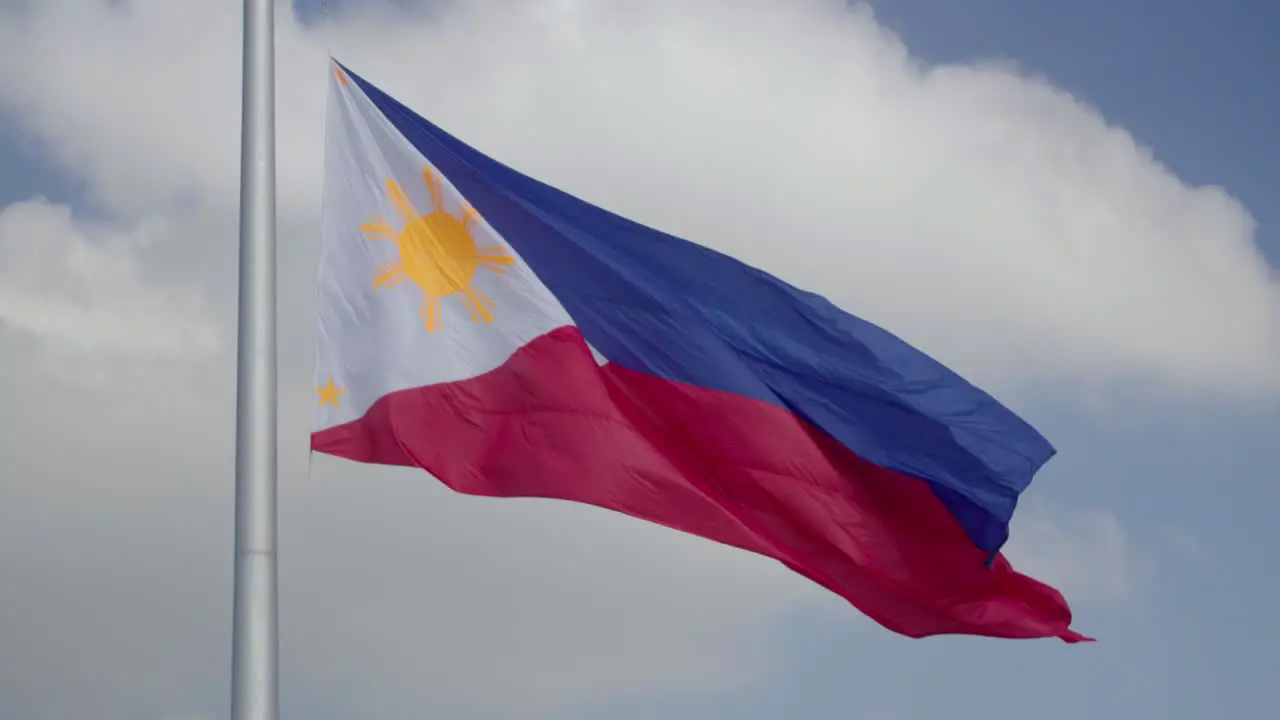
254, 669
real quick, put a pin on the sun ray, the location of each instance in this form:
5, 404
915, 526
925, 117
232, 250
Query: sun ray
471, 308
393, 282
388, 267
495, 258
403, 206
469, 215
491, 266
430, 312
377, 231
389, 279
433, 186
477, 305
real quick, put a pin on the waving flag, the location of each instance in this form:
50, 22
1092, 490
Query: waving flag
513, 340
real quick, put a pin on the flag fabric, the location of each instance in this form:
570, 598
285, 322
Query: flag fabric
515, 341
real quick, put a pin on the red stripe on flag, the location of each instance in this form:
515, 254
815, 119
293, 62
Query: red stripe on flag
552, 423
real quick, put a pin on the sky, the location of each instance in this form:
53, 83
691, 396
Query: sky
1068, 203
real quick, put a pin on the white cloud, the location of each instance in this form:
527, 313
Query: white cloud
997, 222
78, 287
993, 219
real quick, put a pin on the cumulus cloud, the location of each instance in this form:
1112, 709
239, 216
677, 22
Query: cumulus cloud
77, 286
992, 219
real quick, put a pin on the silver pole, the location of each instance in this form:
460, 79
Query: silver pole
254, 691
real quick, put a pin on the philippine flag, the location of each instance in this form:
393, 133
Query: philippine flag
512, 340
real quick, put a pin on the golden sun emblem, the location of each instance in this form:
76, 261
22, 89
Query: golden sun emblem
437, 253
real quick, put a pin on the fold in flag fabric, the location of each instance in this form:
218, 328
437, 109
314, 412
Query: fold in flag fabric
514, 341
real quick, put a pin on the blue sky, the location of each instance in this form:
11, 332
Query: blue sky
1191, 478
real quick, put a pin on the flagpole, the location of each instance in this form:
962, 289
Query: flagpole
254, 668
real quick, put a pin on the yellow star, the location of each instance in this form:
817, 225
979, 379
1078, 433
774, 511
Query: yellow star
329, 393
